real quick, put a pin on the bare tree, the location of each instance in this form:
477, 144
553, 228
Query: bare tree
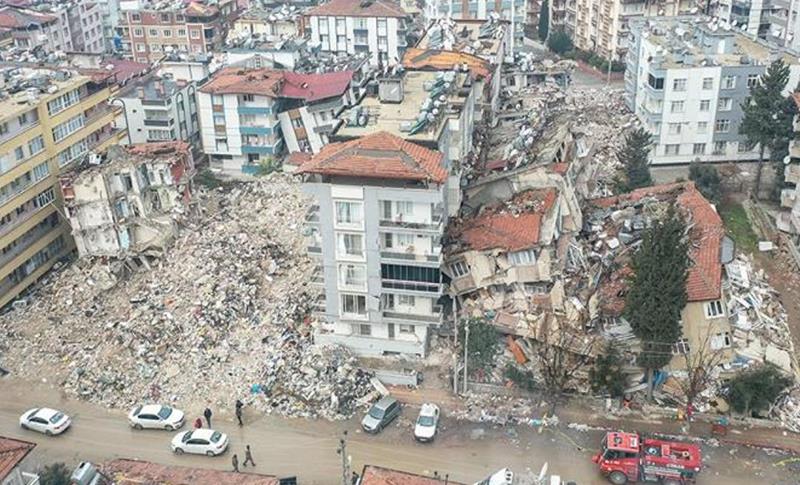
700, 363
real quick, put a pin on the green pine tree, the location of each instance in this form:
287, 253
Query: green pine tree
707, 180
606, 375
764, 122
634, 157
657, 292
755, 389
544, 20
54, 474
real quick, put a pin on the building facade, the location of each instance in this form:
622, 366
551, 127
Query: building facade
514, 11
43, 131
66, 27
377, 27
378, 215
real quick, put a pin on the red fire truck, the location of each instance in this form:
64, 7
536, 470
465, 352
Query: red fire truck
624, 458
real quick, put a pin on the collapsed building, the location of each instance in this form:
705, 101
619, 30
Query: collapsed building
128, 201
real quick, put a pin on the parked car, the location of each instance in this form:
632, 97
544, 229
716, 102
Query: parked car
45, 420
381, 414
156, 416
427, 422
201, 441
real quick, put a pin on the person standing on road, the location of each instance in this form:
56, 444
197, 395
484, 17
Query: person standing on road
235, 463
239, 406
248, 457
198, 423
207, 413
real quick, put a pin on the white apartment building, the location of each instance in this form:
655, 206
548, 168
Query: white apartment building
686, 82
513, 11
353, 26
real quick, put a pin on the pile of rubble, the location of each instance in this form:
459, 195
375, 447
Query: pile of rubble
222, 315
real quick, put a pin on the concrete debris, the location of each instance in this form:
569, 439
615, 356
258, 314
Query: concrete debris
222, 315
786, 410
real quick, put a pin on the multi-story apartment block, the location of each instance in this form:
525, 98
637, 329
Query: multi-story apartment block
513, 11
378, 215
377, 27
159, 109
74, 26
145, 34
50, 119
788, 218
276, 23
687, 81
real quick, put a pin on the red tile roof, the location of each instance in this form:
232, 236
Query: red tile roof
14, 18
158, 148
379, 155
357, 8
375, 475
498, 227
313, 87
438, 60
198, 9
705, 274
12, 452
297, 159
235, 80
135, 472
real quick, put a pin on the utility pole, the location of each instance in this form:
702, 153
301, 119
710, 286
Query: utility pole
466, 347
455, 354
342, 451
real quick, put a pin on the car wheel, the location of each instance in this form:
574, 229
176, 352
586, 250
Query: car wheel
48, 432
618, 478
137, 426
169, 427
209, 453
178, 451
23, 426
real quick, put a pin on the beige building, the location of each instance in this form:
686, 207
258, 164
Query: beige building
51, 119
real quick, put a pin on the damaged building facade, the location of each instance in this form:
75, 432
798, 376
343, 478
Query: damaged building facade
127, 201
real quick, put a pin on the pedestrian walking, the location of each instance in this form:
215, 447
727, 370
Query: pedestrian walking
198, 423
248, 457
239, 406
207, 413
235, 463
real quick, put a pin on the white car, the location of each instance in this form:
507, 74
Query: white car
427, 422
156, 416
45, 420
201, 441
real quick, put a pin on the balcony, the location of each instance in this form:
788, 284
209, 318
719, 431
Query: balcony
405, 257
792, 173
164, 123
434, 225
403, 317
261, 149
254, 110
26, 241
255, 130
413, 287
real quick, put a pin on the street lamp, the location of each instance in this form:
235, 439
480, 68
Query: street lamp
125, 112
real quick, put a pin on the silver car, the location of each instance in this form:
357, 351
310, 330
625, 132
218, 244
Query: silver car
381, 414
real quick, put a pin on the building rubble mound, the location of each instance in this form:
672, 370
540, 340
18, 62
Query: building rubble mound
223, 315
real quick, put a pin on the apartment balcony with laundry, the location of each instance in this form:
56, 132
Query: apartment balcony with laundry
415, 216
403, 309
406, 248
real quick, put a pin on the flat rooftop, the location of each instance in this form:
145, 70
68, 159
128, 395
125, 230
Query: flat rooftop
49, 83
395, 118
478, 37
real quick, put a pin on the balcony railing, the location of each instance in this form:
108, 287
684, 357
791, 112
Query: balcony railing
434, 225
432, 318
432, 258
413, 286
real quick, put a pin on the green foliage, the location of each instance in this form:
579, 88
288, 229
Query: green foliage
268, 165
560, 42
755, 389
482, 343
606, 375
55, 474
707, 180
544, 20
738, 226
595, 60
634, 158
657, 292
523, 378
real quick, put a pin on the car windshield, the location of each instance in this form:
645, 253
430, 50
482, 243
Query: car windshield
376, 412
164, 412
425, 421
216, 436
187, 437
56, 417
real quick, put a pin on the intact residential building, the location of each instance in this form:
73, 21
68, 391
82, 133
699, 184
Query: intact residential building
380, 208
515, 12
788, 218
277, 23
687, 81
51, 119
377, 27
67, 27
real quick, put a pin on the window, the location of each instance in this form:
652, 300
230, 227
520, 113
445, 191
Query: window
406, 300
657, 128
135, 17
138, 32
19, 153
365, 330
71, 153
744, 146
3, 129
247, 120
675, 128
382, 42
153, 32
354, 306
194, 34
381, 25
699, 149
341, 40
22, 119
728, 82
459, 269
671, 149
63, 102
349, 214
40, 171
167, 32
165, 17
521, 258
681, 347
140, 48
702, 126
353, 276
676, 107
725, 104
362, 39
705, 105
349, 245
679, 85
752, 80
405, 328
36, 145
720, 147
63, 130
708, 83
219, 120
181, 32
179, 17
221, 144
714, 309
722, 126
721, 340
155, 47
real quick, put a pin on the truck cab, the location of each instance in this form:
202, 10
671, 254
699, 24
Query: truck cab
625, 458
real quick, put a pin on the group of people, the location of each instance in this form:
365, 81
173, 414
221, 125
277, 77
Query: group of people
248, 455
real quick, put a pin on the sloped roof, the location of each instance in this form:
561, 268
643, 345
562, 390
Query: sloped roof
378, 155
376, 475
501, 227
200, 10
437, 60
12, 452
313, 87
235, 80
297, 159
359, 8
134, 472
704, 281
15, 18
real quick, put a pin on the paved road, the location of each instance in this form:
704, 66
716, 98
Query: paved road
307, 449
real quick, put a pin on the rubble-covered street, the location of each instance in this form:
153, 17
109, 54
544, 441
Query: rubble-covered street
223, 311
